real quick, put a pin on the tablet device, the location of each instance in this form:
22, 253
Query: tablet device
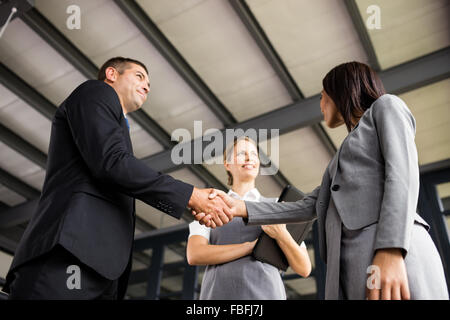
266, 248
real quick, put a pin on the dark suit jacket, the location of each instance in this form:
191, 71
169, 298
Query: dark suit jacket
87, 201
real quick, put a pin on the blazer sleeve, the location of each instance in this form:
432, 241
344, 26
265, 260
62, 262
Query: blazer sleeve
283, 212
396, 127
94, 121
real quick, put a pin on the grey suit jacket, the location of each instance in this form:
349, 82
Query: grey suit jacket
377, 181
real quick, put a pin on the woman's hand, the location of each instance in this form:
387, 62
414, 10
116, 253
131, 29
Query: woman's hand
393, 277
297, 256
276, 231
251, 245
214, 217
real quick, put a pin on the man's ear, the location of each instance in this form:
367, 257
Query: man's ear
111, 74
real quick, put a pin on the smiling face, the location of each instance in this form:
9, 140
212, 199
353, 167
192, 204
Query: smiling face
244, 166
132, 85
332, 116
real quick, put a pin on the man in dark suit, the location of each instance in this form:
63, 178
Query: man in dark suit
78, 244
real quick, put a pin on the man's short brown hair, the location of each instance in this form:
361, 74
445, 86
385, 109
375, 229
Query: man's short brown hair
118, 63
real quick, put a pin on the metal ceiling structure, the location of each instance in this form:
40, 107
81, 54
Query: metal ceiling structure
19, 193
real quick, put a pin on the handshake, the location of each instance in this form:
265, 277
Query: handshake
214, 208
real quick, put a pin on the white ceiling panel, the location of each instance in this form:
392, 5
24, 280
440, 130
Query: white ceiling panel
430, 106
171, 102
303, 158
409, 28
25, 122
60, 88
37, 63
144, 145
20, 167
10, 197
214, 41
53, 77
7, 97
311, 37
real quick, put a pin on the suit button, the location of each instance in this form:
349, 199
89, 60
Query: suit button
335, 187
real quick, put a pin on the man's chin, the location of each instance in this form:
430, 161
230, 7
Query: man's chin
136, 107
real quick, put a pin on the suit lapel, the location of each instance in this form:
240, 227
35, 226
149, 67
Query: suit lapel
334, 164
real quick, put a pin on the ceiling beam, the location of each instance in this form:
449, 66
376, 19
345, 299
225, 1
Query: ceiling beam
44, 28
417, 73
18, 186
408, 76
164, 236
25, 92
435, 167
39, 24
259, 36
144, 23
263, 42
363, 34
149, 29
18, 144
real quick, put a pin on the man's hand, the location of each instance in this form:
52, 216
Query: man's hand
394, 279
210, 211
236, 209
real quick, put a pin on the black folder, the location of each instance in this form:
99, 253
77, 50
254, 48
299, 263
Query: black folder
267, 249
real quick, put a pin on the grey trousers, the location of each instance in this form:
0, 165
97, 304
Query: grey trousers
350, 253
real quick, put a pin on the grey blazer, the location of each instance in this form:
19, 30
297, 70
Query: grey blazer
377, 181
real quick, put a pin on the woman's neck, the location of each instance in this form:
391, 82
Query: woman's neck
242, 187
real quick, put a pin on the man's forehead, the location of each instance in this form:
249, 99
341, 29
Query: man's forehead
132, 67
136, 67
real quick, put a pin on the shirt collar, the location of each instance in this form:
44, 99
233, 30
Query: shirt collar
252, 195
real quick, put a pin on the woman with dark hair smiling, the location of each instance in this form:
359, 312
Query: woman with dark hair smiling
374, 243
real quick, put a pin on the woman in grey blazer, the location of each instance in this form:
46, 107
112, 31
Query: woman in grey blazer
374, 243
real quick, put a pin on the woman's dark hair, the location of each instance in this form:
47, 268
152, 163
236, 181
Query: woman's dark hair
353, 87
